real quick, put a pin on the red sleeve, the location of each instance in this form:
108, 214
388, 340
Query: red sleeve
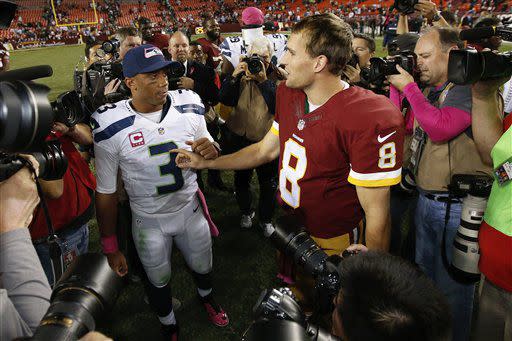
376, 155
507, 122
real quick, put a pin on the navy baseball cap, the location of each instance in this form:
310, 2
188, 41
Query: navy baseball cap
143, 59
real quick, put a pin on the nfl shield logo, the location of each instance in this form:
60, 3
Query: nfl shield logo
161, 131
301, 124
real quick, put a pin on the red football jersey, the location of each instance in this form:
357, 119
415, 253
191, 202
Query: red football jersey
355, 138
212, 51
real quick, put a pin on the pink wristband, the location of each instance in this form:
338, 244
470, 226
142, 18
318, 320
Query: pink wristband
109, 244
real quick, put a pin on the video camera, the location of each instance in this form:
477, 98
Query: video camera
277, 315
26, 119
469, 66
176, 70
85, 292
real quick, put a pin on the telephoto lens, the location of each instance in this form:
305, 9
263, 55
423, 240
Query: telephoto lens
85, 292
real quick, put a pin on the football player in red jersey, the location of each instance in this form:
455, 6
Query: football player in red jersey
338, 145
211, 43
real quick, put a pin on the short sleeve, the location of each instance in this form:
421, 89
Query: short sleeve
376, 157
459, 96
107, 163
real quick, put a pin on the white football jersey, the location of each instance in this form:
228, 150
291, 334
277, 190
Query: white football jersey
125, 139
232, 48
278, 41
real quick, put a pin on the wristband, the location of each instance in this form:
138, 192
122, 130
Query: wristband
109, 244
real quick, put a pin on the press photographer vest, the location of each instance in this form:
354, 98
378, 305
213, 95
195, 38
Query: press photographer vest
440, 161
251, 117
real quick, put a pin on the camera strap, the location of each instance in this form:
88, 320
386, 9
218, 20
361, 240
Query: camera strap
53, 240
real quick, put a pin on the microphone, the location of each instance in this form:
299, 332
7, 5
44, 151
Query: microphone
27, 74
475, 34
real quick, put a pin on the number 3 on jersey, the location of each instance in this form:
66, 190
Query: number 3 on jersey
293, 169
169, 168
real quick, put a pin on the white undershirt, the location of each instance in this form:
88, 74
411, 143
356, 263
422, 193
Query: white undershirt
313, 107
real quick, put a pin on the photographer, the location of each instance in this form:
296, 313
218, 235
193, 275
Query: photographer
363, 47
253, 97
24, 290
406, 306
75, 192
495, 304
128, 38
442, 145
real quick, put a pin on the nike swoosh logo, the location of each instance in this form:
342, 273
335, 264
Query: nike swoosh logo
195, 209
384, 138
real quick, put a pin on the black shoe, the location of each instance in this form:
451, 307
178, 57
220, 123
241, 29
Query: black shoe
170, 332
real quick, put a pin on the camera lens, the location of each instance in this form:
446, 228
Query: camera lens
26, 116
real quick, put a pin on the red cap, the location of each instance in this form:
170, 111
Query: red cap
252, 16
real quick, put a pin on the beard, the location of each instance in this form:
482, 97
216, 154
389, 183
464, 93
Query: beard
213, 35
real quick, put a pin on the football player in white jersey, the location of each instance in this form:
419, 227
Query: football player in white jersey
135, 136
278, 41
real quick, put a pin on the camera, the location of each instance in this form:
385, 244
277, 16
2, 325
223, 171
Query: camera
26, 119
469, 66
255, 63
475, 190
380, 67
110, 46
353, 61
405, 6
277, 316
85, 292
176, 70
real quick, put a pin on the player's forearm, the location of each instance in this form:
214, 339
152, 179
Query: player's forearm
246, 158
378, 231
106, 213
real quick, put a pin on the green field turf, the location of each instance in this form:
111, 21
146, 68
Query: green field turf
244, 262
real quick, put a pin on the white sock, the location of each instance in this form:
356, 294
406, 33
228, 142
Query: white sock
204, 293
169, 319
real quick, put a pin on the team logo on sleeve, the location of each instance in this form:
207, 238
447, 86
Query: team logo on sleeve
136, 139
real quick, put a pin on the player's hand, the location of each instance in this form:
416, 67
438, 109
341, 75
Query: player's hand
401, 80
186, 159
117, 262
352, 73
186, 83
112, 86
427, 8
204, 147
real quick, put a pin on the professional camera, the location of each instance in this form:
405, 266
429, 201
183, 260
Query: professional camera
405, 6
277, 316
68, 108
353, 61
469, 66
466, 253
110, 47
176, 70
381, 67
52, 162
290, 238
26, 119
84, 293
255, 63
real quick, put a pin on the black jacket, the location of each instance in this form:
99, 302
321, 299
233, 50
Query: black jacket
204, 82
